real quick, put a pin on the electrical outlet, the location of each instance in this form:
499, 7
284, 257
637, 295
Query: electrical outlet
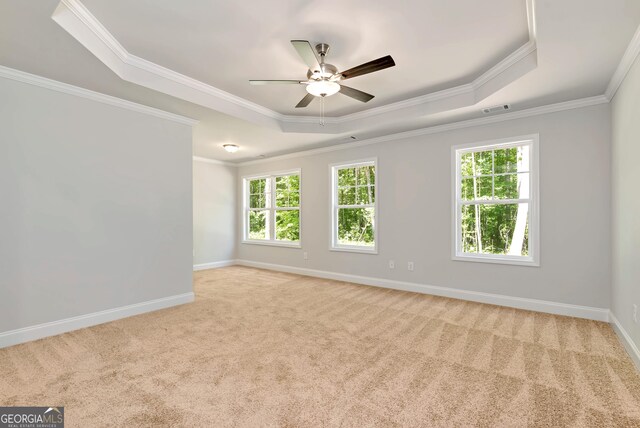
392, 264
410, 266
635, 313
305, 255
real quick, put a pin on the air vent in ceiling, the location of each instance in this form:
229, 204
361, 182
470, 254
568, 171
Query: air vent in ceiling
503, 107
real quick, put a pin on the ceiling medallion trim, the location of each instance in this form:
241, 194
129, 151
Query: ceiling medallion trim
78, 21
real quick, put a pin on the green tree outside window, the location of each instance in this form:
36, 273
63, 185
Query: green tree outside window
354, 205
494, 200
273, 208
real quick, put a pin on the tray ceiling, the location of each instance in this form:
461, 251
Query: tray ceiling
579, 45
74, 17
224, 44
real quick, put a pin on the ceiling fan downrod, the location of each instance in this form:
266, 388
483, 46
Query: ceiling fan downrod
323, 50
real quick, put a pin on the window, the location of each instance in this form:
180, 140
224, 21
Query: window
496, 201
353, 208
272, 209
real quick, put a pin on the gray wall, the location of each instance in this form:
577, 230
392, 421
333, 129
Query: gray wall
415, 211
214, 215
95, 209
625, 114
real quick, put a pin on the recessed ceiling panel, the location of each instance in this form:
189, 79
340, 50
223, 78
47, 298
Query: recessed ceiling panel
436, 45
580, 44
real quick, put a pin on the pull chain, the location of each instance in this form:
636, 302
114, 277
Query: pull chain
322, 111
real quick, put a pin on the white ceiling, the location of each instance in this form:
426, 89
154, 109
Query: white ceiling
225, 44
435, 44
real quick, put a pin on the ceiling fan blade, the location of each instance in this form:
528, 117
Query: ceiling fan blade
305, 101
356, 94
275, 82
306, 52
369, 67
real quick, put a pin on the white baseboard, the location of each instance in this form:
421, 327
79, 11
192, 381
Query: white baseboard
53, 328
626, 340
598, 314
214, 265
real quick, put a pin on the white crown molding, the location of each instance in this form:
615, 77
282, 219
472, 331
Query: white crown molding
506, 71
536, 111
78, 21
531, 20
213, 161
27, 334
626, 340
99, 30
629, 57
598, 314
43, 82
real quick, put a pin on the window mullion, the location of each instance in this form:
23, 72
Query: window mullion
247, 204
336, 209
271, 206
493, 174
494, 201
357, 206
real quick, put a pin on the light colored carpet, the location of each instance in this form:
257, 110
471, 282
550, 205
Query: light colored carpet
260, 348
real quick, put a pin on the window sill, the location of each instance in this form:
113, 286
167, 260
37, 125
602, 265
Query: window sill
274, 243
530, 262
363, 250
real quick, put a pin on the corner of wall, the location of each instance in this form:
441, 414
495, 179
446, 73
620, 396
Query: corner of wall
625, 226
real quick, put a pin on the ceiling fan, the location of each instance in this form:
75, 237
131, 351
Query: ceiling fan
324, 79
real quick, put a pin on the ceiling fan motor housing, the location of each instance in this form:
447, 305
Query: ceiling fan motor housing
326, 71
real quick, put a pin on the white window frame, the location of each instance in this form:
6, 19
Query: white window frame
333, 191
533, 259
269, 206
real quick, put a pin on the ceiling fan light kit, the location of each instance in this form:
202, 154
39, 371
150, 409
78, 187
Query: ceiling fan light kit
324, 80
323, 88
